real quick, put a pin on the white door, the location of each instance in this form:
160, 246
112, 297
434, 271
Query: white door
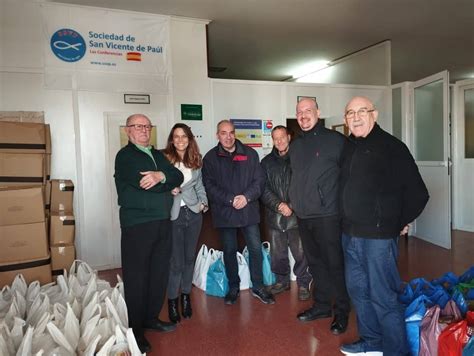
431, 149
115, 139
463, 147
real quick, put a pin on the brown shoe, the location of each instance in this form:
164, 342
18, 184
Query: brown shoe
303, 293
279, 287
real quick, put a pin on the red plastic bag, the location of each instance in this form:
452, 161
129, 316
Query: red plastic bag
451, 341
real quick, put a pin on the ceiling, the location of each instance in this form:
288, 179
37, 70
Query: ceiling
268, 39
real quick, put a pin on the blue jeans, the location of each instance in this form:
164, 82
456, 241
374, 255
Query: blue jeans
373, 283
229, 242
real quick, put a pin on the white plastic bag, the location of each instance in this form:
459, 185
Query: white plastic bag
292, 264
19, 284
5, 335
32, 293
71, 328
104, 351
39, 307
200, 270
16, 332
120, 306
25, 346
244, 272
59, 338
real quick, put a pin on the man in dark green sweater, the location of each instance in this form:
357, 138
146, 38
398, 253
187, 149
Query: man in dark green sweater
144, 179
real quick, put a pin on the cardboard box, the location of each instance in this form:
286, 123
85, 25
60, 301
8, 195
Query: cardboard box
47, 217
62, 257
47, 138
47, 166
47, 195
47, 157
61, 229
21, 168
22, 116
32, 270
21, 205
22, 137
62, 192
23, 242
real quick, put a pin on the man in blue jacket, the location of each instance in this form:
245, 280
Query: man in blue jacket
144, 179
381, 192
234, 181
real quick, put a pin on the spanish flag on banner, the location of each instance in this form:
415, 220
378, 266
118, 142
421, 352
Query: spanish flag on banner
134, 56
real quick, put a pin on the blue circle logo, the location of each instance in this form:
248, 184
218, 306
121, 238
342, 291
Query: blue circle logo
68, 45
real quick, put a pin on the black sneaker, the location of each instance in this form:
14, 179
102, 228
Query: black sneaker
264, 296
231, 297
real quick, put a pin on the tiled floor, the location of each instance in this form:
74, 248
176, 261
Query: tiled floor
252, 328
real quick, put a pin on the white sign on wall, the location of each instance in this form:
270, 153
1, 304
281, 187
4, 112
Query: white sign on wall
105, 49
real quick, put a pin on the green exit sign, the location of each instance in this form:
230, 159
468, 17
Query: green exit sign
191, 112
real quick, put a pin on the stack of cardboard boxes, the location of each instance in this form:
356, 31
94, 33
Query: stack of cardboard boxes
23, 235
61, 225
26, 197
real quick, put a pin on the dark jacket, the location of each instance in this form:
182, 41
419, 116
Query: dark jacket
138, 205
277, 184
226, 175
315, 166
381, 187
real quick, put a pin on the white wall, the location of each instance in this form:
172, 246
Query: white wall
277, 100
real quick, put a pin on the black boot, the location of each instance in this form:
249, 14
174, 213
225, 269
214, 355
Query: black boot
173, 312
186, 309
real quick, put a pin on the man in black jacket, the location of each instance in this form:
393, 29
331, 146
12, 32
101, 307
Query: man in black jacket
234, 181
281, 221
381, 192
314, 191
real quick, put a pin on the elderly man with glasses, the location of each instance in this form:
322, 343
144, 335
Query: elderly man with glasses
381, 192
144, 179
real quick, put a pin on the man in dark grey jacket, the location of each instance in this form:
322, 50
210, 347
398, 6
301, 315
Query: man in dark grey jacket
315, 164
381, 192
234, 181
281, 221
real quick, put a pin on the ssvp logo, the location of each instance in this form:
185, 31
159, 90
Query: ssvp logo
68, 45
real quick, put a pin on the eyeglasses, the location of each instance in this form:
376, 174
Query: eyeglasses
362, 113
140, 127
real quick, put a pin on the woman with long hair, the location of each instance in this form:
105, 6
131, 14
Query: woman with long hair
190, 201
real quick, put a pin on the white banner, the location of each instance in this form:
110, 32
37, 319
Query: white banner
101, 49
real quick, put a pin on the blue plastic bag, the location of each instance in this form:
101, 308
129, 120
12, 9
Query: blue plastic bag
269, 278
420, 286
460, 301
413, 316
469, 348
217, 283
448, 281
467, 276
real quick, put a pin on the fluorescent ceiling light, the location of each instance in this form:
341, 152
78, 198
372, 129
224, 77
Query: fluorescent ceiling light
309, 68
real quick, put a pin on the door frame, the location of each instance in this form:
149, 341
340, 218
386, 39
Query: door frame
458, 138
446, 162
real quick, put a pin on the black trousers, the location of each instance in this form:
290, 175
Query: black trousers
321, 238
146, 252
